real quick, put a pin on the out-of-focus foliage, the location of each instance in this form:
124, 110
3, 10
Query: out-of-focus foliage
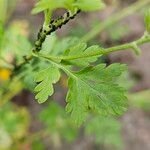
14, 123
117, 32
1, 33
37, 144
58, 124
140, 100
13, 48
9, 89
16, 45
147, 21
105, 131
55, 46
6, 5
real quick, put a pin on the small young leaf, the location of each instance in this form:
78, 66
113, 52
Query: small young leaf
47, 4
46, 78
85, 5
79, 50
94, 89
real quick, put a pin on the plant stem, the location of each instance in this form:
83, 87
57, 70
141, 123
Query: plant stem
110, 21
51, 26
102, 51
26, 60
54, 62
114, 18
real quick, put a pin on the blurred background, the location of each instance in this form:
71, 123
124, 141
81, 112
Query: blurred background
27, 125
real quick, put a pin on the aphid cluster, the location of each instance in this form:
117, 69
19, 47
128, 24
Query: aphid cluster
53, 26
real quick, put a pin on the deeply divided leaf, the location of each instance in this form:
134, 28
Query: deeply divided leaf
94, 89
45, 79
78, 51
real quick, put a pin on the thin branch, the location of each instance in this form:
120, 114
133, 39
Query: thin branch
102, 51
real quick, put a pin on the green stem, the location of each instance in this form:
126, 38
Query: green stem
110, 21
114, 18
50, 27
54, 25
54, 62
26, 60
131, 45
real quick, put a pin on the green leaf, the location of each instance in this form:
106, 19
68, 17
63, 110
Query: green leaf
47, 4
77, 101
85, 5
94, 89
89, 5
79, 50
46, 78
27, 74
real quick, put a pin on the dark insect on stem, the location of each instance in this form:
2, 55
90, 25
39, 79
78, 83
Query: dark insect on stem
53, 26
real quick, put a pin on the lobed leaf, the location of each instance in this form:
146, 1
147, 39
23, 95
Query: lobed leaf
94, 89
79, 50
46, 78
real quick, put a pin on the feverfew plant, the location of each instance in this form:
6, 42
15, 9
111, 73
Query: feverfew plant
92, 87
